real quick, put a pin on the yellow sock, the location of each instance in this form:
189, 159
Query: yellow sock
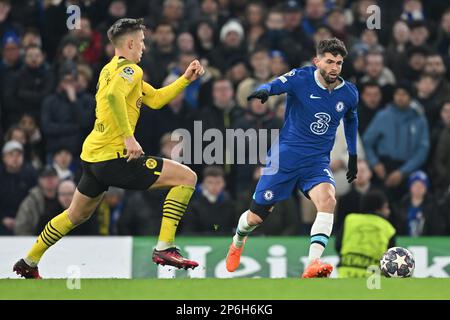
173, 210
55, 229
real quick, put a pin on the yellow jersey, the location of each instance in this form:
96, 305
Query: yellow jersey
120, 95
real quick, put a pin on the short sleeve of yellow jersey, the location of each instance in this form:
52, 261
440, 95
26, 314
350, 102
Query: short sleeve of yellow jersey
127, 77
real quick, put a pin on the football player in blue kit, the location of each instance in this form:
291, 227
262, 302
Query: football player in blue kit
317, 99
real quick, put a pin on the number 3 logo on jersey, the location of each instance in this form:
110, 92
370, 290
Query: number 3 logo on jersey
321, 125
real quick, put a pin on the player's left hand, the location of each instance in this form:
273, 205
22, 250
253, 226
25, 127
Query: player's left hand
194, 71
352, 167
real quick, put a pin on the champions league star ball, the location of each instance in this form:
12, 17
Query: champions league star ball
397, 262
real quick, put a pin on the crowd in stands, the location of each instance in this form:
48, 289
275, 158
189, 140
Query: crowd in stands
48, 77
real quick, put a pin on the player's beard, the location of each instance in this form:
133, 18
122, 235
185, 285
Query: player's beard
327, 78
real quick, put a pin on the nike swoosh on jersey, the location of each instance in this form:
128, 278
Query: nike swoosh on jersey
314, 97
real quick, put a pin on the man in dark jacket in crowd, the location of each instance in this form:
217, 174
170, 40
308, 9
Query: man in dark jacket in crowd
31, 85
16, 179
212, 211
67, 113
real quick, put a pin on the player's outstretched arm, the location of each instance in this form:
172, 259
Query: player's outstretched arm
282, 84
157, 98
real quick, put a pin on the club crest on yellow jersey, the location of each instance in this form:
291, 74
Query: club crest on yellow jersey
151, 163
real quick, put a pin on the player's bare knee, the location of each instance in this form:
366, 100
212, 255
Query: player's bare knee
189, 177
78, 217
327, 204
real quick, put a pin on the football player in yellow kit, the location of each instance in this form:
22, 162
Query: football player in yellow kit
111, 156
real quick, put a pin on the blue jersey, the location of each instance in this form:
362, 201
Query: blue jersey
312, 117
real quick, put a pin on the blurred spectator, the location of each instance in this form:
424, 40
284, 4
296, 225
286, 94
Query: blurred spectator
84, 78
369, 104
412, 11
224, 112
368, 42
360, 15
192, 91
16, 179
67, 113
119, 215
396, 50
293, 16
322, 32
161, 53
278, 63
443, 37
417, 213
210, 9
9, 64
419, 34
117, 9
337, 22
441, 159
350, 202
339, 160
260, 62
435, 67
365, 236
314, 16
155, 123
34, 139
62, 161
55, 16
6, 21
32, 83
276, 37
284, 220
255, 14
212, 211
257, 116
231, 46
205, 39
397, 141
89, 41
416, 58
173, 13
376, 71
40, 205
427, 96
16, 133
238, 72
31, 37
185, 42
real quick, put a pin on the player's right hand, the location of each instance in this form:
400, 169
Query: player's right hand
262, 95
134, 149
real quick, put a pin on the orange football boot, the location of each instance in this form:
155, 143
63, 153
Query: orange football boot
317, 269
234, 256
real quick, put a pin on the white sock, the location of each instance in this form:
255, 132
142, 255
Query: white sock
320, 232
161, 245
243, 229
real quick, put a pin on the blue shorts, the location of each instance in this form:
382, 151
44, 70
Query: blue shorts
274, 188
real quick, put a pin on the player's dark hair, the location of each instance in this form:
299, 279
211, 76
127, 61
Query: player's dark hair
213, 171
373, 201
124, 26
333, 46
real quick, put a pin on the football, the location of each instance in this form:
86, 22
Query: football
397, 262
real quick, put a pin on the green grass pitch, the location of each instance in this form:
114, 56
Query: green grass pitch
234, 289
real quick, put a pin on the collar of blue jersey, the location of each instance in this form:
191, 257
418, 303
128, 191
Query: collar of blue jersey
316, 72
